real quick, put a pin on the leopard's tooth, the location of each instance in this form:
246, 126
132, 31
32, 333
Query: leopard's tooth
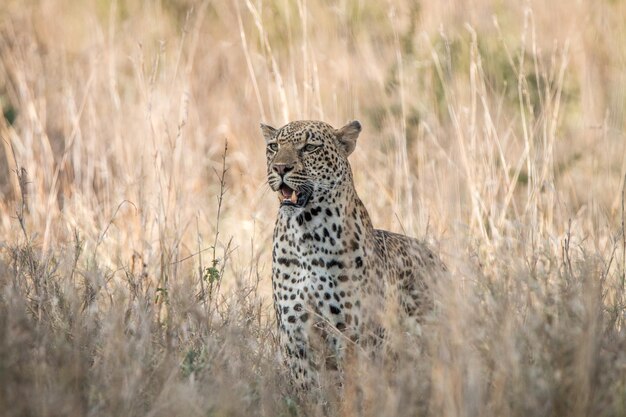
280, 197
294, 198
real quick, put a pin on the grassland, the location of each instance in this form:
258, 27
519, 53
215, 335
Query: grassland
134, 261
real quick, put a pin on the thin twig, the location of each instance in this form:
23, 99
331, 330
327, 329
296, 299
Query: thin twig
227, 252
220, 198
623, 237
191, 256
22, 179
101, 238
200, 267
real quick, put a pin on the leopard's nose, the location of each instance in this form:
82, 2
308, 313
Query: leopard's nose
282, 169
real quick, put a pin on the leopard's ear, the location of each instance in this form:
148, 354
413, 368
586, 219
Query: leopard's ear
268, 132
346, 136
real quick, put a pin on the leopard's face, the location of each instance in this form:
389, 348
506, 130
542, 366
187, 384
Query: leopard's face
306, 159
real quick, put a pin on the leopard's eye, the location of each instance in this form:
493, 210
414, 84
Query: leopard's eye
311, 148
272, 146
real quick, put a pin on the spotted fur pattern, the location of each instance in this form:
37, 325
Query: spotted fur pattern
331, 270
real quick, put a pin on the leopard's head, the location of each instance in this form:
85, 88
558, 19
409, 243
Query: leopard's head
307, 159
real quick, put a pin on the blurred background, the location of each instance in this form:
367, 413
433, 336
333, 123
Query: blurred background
131, 153
477, 115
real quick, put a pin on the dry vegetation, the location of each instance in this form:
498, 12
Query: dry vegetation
134, 261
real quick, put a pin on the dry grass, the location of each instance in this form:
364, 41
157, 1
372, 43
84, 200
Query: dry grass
130, 284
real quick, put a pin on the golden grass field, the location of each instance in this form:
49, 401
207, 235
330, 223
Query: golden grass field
134, 251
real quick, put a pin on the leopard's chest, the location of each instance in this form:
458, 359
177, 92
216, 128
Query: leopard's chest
316, 274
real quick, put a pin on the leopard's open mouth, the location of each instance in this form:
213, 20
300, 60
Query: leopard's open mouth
290, 197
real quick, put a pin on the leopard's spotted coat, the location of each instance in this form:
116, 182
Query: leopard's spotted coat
332, 271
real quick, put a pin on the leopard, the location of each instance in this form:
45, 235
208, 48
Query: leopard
332, 271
